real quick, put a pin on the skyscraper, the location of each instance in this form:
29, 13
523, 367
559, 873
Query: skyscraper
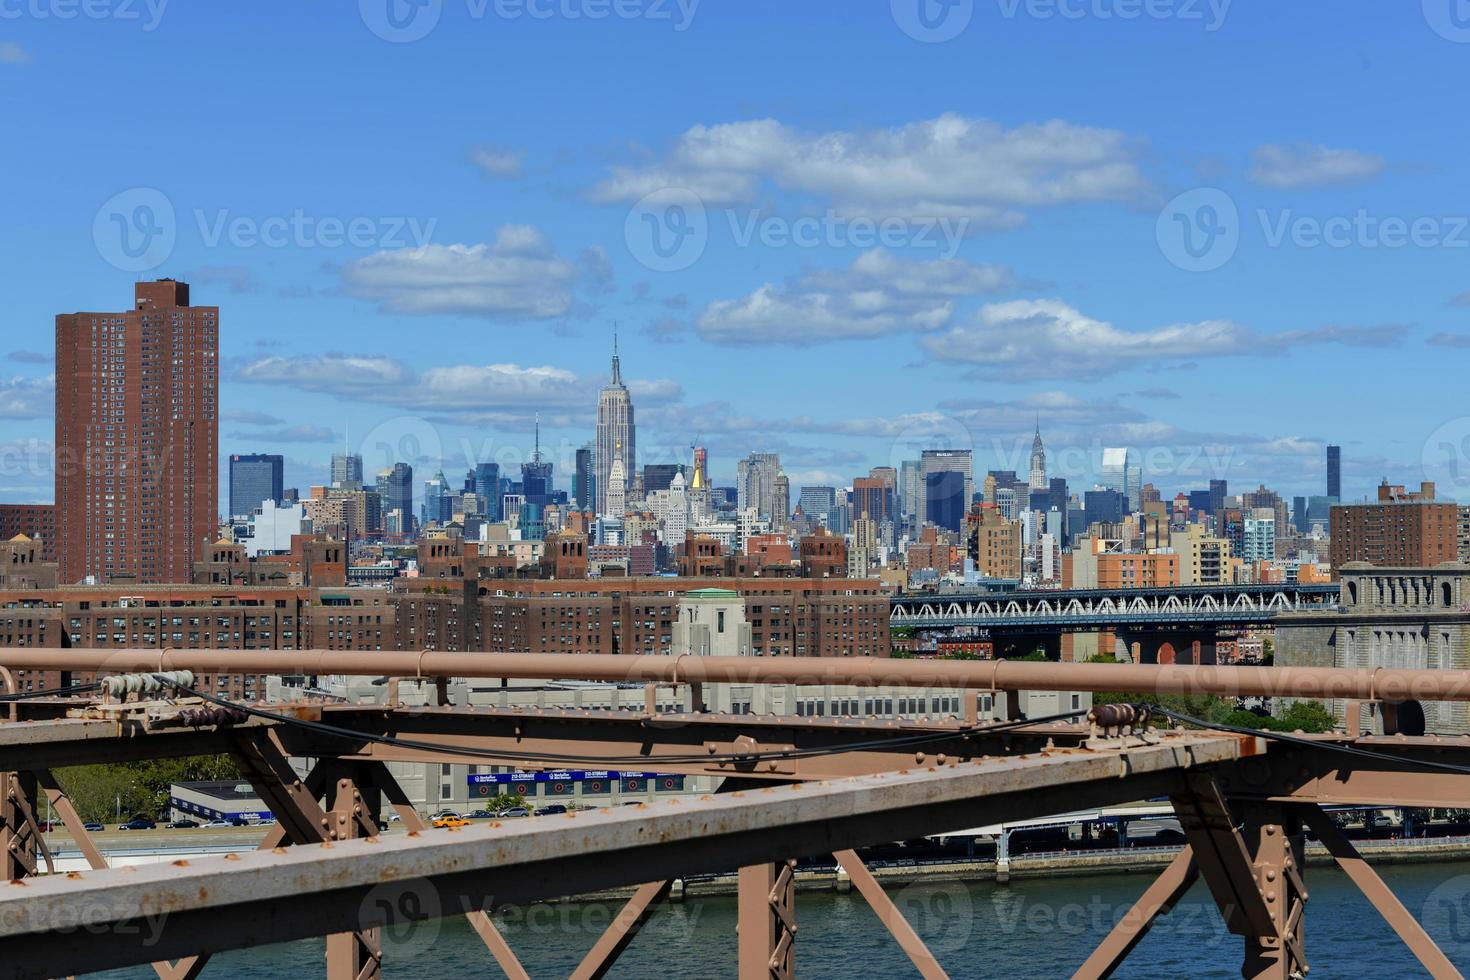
932, 461
817, 502
254, 479
137, 437
1122, 472
700, 480
616, 434
755, 483
583, 495
1334, 472
872, 497
616, 498
1038, 461
346, 470
781, 502
660, 476
909, 493
537, 474
1219, 490
438, 503
395, 488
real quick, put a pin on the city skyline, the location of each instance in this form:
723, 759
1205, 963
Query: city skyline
467, 303
1083, 467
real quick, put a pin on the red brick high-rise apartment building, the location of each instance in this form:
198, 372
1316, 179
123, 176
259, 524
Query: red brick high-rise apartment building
137, 438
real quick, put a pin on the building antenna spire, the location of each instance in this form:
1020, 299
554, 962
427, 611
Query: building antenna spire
617, 365
537, 457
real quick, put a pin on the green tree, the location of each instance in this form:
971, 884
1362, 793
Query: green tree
1309, 716
139, 788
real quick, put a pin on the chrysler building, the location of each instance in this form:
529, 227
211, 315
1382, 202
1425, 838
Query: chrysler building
1038, 461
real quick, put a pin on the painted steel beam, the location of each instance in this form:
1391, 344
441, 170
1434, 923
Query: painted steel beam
1382, 684
63, 742
609, 739
267, 897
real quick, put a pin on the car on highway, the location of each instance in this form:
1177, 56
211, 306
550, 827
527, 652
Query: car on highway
139, 823
450, 820
553, 809
516, 811
93, 827
182, 824
216, 824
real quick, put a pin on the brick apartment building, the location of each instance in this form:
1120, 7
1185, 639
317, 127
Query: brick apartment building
1398, 530
137, 432
193, 617
791, 617
36, 521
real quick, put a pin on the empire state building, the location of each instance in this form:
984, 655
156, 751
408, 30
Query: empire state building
616, 432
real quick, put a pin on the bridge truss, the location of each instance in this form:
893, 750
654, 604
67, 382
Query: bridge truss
1099, 609
791, 787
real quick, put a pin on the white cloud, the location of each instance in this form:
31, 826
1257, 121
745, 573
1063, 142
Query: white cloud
1446, 339
460, 389
1046, 338
237, 278
251, 418
1287, 167
875, 296
520, 275
344, 375
497, 161
13, 54
305, 432
28, 398
950, 166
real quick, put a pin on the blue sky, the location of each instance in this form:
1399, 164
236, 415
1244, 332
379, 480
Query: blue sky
1224, 234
